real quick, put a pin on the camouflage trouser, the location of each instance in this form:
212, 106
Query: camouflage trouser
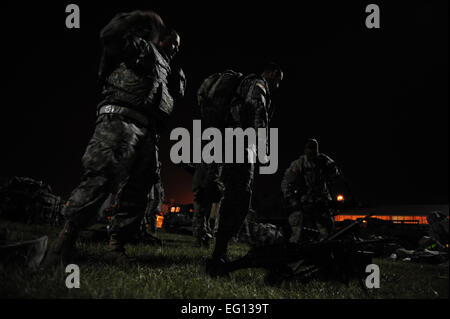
238, 180
296, 223
312, 220
119, 159
154, 205
202, 205
202, 209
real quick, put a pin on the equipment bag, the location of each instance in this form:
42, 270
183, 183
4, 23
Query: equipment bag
215, 95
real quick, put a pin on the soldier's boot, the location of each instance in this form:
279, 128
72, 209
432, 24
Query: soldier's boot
198, 242
202, 241
63, 248
206, 241
116, 251
296, 223
216, 266
149, 239
145, 238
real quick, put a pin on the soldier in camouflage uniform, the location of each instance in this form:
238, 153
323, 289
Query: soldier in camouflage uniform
204, 196
121, 155
306, 192
154, 205
206, 193
249, 108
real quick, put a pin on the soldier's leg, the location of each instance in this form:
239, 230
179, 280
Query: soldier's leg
147, 222
156, 203
106, 161
147, 230
295, 220
132, 195
235, 204
202, 209
213, 219
78, 211
325, 225
197, 217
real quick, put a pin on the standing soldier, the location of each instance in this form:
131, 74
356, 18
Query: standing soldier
207, 193
306, 191
204, 197
249, 108
121, 155
154, 205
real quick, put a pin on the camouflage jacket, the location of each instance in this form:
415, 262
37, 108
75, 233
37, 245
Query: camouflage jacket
306, 180
140, 81
251, 104
250, 107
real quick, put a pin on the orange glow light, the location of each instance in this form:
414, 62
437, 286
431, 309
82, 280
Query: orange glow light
159, 221
340, 198
178, 209
172, 209
395, 219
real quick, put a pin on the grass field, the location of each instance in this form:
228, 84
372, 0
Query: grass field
175, 271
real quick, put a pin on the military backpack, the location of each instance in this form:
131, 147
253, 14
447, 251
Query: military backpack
215, 95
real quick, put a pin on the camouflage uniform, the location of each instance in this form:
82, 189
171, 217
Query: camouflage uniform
305, 182
155, 199
207, 189
249, 108
121, 157
202, 205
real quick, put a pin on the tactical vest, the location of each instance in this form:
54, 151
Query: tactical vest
314, 179
145, 92
238, 115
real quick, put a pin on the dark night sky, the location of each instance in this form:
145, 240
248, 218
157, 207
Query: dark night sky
377, 100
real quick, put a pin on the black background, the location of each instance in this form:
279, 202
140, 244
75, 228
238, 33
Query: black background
376, 99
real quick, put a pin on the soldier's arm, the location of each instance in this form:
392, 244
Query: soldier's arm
120, 24
256, 102
332, 170
117, 36
177, 83
139, 54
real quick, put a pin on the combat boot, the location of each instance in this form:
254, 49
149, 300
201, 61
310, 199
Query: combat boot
202, 241
62, 249
198, 242
217, 266
147, 239
116, 251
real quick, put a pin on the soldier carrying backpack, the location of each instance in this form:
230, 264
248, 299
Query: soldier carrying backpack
232, 100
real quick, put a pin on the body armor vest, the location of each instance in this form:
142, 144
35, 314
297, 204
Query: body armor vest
143, 91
